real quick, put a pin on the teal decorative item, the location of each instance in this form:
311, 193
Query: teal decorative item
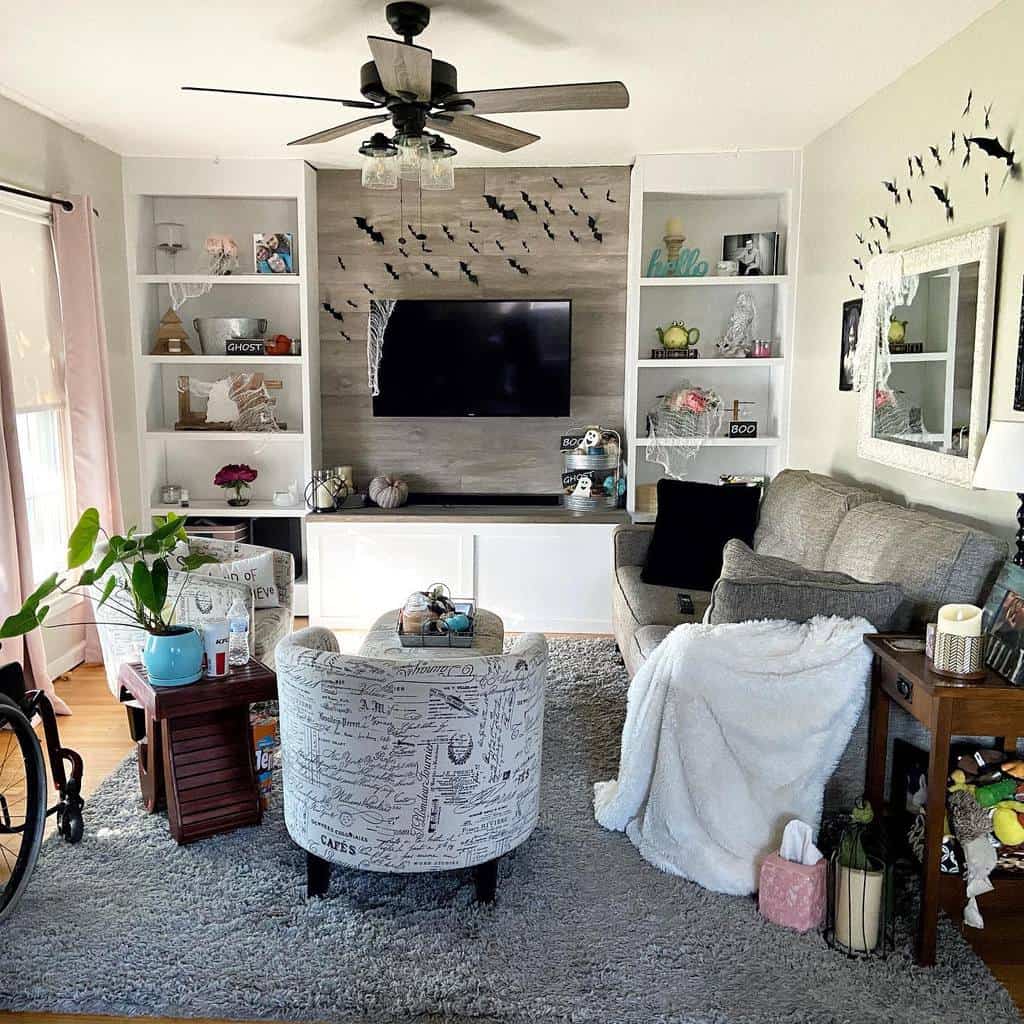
174, 658
687, 264
457, 623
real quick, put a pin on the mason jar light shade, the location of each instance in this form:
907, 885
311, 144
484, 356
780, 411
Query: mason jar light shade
412, 151
380, 163
437, 170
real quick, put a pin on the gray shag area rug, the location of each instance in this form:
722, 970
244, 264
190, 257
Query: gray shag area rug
583, 931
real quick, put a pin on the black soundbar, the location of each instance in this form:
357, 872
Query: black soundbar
463, 498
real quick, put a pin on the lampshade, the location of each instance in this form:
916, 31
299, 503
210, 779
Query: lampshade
437, 170
1001, 466
412, 149
380, 162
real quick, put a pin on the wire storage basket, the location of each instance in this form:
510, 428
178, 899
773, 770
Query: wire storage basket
591, 469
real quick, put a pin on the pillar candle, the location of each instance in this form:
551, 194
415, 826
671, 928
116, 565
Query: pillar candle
960, 620
674, 226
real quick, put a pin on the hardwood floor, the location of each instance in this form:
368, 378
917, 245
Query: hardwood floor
98, 731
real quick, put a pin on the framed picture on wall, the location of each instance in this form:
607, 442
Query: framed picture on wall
1003, 624
848, 343
1018, 392
272, 253
756, 252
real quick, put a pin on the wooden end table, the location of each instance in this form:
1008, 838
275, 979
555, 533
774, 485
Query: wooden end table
195, 749
946, 707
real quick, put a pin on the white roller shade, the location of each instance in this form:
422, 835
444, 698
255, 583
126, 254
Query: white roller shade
28, 284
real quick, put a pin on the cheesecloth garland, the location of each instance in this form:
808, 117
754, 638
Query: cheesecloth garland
241, 400
380, 314
678, 424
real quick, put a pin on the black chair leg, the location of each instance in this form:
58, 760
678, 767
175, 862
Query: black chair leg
318, 876
485, 876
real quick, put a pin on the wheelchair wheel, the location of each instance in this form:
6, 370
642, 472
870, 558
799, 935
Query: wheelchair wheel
22, 803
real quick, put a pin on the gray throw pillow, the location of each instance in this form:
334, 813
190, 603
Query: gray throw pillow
754, 586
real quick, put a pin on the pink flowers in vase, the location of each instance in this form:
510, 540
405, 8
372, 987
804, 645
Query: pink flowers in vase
236, 477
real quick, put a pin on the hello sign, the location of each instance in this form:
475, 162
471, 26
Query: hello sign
687, 264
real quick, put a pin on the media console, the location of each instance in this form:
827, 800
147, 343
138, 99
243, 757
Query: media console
541, 568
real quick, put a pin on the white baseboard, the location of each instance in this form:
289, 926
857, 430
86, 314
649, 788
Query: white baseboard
66, 661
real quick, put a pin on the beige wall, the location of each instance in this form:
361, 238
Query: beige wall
40, 155
843, 171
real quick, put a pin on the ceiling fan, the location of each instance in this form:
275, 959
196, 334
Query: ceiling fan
415, 91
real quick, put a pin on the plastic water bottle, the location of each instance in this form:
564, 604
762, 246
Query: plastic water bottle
238, 634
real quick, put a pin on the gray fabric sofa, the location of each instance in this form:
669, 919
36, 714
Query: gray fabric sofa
821, 523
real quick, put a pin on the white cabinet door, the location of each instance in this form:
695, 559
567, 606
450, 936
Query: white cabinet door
358, 572
543, 578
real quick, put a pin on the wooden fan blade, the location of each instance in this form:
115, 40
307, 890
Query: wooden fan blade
365, 104
404, 70
492, 134
577, 96
339, 130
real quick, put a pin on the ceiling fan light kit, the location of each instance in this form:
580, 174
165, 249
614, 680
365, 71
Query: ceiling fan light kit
414, 91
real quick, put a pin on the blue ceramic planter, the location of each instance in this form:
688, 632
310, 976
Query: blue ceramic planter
174, 659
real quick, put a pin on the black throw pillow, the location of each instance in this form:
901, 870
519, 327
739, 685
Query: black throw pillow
694, 522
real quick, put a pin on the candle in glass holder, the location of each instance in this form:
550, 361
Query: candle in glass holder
960, 620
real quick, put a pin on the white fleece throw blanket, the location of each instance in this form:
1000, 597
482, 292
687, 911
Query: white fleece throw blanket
731, 731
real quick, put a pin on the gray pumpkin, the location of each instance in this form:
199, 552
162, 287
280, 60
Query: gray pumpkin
388, 491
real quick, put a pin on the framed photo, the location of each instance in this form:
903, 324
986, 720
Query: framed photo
272, 253
756, 252
848, 343
1003, 624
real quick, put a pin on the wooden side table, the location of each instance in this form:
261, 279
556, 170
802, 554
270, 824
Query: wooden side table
946, 708
195, 748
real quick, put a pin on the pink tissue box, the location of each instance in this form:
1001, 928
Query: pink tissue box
791, 894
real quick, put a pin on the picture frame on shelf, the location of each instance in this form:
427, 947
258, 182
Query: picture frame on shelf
848, 343
1002, 623
756, 252
273, 252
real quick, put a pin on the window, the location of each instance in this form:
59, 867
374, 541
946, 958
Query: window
28, 284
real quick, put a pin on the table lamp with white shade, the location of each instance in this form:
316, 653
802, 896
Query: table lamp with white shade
1001, 468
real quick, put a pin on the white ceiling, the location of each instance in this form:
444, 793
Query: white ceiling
701, 73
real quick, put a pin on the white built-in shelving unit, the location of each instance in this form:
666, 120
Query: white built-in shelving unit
715, 194
237, 198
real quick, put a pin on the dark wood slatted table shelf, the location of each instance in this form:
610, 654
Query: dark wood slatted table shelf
195, 748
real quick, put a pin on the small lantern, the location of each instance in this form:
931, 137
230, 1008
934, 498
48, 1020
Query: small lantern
437, 171
413, 150
860, 912
380, 162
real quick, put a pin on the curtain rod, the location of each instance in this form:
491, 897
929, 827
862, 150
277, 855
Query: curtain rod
64, 204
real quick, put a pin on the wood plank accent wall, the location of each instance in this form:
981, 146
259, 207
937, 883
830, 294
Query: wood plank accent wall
473, 455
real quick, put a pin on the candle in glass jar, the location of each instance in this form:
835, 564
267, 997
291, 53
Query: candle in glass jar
960, 620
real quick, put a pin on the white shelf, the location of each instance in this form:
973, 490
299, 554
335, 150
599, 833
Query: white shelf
712, 442
660, 364
919, 357
214, 507
733, 280
273, 437
270, 279
222, 360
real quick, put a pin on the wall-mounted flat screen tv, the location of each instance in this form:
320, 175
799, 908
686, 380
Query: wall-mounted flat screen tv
493, 357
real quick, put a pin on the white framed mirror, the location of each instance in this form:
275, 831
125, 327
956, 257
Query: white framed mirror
925, 356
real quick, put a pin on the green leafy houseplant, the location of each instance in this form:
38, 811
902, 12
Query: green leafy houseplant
139, 592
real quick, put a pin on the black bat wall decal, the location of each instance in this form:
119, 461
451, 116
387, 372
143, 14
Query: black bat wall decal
936, 155
354, 305
525, 246
608, 196
549, 208
447, 233
920, 164
860, 237
548, 231
473, 230
853, 284
532, 206
557, 182
988, 110
890, 186
464, 267
403, 252
952, 142
574, 236
328, 308
431, 270
418, 235
345, 336
501, 248
516, 265
993, 148
425, 248
967, 153
368, 288
493, 203
986, 183
858, 262
967, 105
391, 270
910, 166
592, 224
474, 248
910, 198
860, 285
364, 225
882, 224
943, 197
582, 193
573, 210
341, 262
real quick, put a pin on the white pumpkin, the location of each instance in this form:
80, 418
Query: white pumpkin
388, 491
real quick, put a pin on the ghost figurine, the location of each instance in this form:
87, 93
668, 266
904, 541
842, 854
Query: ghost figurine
591, 439
584, 487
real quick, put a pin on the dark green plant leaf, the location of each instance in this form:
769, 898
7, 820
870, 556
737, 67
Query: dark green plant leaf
142, 588
82, 541
41, 614
159, 576
108, 589
19, 623
47, 587
191, 562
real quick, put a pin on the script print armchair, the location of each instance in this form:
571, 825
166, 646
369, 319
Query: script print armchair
409, 765
204, 597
